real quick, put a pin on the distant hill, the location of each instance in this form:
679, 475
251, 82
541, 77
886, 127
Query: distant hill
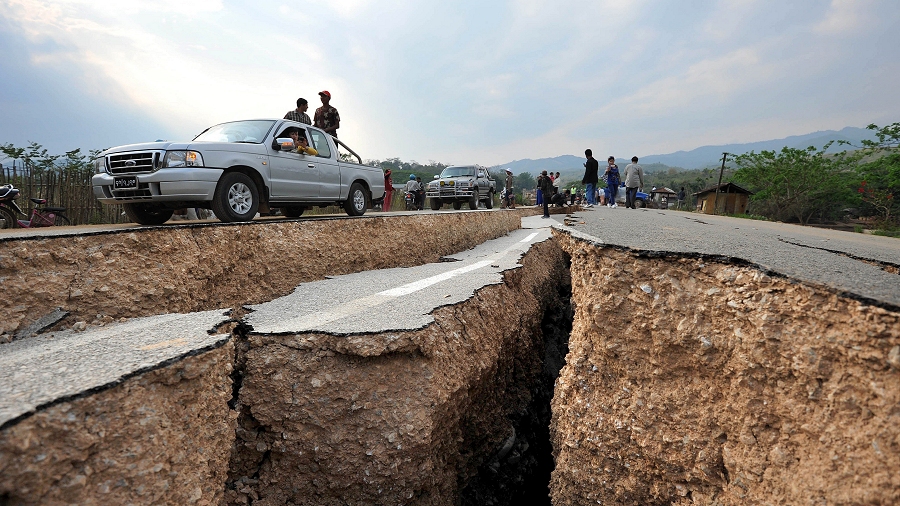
571, 166
566, 165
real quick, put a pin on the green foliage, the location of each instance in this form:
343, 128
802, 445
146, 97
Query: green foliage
524, 181
795, 183
878, 170
894, 232
400, 170
35, 159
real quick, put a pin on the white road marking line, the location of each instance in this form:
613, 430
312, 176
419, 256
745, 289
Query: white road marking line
415, 286
317, 320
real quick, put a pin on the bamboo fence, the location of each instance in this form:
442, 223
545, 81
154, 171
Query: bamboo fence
62, 187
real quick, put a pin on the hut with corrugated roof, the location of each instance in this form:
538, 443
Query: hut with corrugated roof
729, 199
662, 198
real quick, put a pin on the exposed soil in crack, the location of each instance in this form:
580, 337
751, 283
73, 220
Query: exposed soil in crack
691, 381
350, 420
519, 471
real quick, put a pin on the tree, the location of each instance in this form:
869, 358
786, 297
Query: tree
795, 183
524, 181
878, 169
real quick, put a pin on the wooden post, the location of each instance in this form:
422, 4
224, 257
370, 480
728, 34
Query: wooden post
721, 171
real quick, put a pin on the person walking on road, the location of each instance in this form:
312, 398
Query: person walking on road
388, 191
591, 168
634, 179
420, 196
327, 117
510, 195
681, 196
612, 181
545, 184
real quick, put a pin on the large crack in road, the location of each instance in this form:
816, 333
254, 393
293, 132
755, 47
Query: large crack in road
710, 362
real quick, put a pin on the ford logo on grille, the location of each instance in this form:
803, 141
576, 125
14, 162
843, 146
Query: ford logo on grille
130, 163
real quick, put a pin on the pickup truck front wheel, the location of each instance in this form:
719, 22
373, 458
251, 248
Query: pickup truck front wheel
357, 200
457, 205
473, 202
147, 214
435, 204
236, 198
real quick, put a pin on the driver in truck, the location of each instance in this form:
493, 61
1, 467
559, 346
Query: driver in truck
301, 145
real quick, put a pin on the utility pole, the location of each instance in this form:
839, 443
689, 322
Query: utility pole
721, 171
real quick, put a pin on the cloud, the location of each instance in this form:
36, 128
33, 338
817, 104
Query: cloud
467, 81
845, 16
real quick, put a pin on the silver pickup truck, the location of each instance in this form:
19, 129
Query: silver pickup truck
464, 184
236, 169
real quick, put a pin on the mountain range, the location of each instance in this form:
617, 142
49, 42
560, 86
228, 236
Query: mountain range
701, 157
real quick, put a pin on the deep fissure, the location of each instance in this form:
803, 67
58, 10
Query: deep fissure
516, 469
519, 473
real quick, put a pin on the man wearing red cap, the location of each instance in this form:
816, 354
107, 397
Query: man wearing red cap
327, 117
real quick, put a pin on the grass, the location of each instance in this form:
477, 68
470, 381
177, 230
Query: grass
887, 232
747, 216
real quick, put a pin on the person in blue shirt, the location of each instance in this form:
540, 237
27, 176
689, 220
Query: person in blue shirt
612, 181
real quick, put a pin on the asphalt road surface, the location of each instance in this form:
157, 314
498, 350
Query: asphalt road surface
57, 366
858, 265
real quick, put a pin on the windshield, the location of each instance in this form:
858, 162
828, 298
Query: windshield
237, 131
458, 171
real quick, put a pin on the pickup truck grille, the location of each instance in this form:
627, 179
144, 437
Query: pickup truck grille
129, 163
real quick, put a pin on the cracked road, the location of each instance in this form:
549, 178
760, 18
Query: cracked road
39, 371
858, 265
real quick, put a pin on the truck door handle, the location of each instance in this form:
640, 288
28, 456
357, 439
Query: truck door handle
311, 165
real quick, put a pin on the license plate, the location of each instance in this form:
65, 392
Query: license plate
121, 183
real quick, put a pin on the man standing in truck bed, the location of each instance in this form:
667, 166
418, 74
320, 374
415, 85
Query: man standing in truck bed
327, 117
299, 114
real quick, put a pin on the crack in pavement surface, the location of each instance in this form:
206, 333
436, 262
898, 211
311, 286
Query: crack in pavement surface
890, 267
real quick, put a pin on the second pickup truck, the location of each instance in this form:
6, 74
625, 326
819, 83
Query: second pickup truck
462, 184
236, 169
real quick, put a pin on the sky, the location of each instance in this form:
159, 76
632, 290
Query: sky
456, 82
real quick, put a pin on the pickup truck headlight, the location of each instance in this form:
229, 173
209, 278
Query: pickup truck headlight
100, 165
182, 159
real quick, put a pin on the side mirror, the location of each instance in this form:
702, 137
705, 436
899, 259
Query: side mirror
283, 144
437, 176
